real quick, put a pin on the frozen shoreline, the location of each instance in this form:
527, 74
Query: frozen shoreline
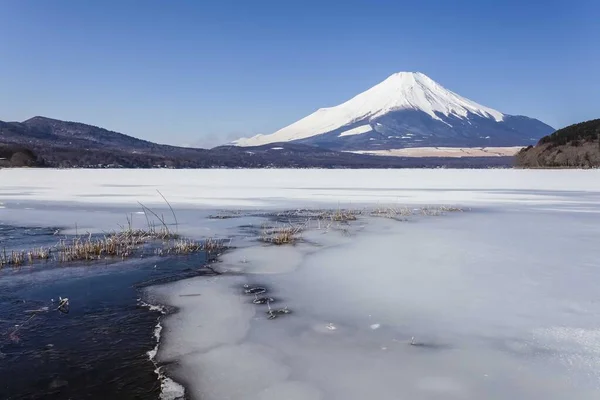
169, 389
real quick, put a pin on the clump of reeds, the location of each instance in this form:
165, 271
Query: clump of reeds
123, 243
281, 236
451, 209
40, 253
297, 213
13, 259
19, 258
131, 237
392, 212
136, 237
184, 246
226, 215
431, 211
398, 212
87, 249
188, 246
339, 215
211, 245
436, 211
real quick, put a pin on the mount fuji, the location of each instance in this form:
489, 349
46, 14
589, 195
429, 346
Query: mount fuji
407, 110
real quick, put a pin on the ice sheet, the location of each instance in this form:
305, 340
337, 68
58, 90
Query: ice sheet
296, 188
497, 304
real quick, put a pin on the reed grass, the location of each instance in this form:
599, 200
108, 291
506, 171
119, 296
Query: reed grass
451, 209
339, 215
436, 211
13, 259
117, 244
396, 213
282, 235
17, 258
188, 246
392, 212
87, 249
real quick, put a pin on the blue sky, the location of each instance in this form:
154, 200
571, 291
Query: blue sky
204, 72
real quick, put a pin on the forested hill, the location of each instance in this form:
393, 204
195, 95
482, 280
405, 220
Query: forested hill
574, 146
17, 156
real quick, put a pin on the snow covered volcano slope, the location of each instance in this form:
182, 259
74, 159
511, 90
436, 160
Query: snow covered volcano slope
408, 109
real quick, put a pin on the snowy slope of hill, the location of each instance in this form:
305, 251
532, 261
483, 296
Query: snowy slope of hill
407, 110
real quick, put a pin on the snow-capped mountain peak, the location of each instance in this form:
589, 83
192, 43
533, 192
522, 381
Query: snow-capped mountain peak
415, 90
402, 91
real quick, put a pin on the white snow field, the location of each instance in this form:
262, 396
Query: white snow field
500, 301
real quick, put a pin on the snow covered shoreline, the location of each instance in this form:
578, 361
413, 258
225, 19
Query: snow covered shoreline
445, 152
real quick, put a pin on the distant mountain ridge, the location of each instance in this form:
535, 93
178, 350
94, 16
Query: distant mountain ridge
74, 144
408, 109
42, 129
79, 131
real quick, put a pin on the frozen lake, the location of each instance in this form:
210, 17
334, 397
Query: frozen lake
298, 188
496, 302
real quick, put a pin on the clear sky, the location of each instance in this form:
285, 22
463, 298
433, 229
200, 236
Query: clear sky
205, 72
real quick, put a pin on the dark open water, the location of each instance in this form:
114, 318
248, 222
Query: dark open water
99, 349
